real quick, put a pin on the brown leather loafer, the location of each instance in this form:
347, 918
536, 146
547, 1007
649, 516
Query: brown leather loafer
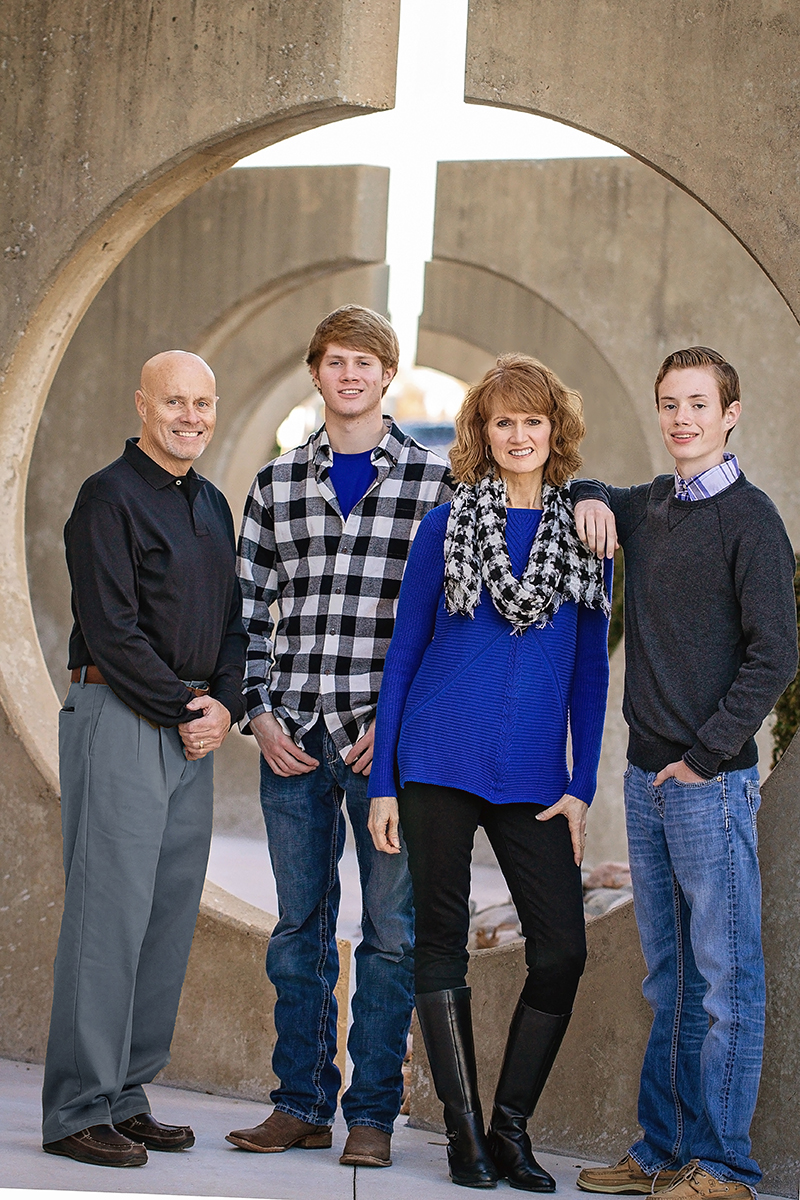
367, 1147
149, 1132
279, 1132
101, 1146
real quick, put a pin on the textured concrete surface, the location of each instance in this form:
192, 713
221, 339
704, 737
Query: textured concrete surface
601, 267
215, 1168
109, 116
240, 272
620, 69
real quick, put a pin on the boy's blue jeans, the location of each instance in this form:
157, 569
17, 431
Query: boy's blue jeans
306, 835
697, 897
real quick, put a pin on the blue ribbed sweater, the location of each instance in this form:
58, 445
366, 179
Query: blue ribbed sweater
465, 704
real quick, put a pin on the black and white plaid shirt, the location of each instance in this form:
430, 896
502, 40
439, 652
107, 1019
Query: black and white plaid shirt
336, 582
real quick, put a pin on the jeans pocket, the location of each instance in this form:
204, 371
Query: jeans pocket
752, 792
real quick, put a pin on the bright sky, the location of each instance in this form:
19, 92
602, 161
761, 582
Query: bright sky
430, 123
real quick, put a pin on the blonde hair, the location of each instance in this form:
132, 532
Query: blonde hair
355, 328
519, 383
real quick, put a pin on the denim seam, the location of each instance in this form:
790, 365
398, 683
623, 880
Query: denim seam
733, 998
681, 980
659, 802
324, 940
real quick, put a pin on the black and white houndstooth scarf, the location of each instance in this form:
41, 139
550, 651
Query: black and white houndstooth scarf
559, 568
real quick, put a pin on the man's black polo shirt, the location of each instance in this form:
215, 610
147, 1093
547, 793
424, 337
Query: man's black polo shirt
155, 598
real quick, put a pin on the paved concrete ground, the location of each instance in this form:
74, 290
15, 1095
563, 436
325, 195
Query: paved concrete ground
215, 1168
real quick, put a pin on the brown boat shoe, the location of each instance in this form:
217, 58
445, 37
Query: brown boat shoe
692, 1182
101, 1146
281, 1131
625, 1178
145, 1129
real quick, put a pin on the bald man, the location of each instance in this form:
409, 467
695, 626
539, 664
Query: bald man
157, 655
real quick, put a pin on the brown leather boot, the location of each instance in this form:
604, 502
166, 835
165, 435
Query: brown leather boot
280, 1132
367, 1147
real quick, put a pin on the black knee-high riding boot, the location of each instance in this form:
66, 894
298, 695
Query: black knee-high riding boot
533, 1041
446, 1022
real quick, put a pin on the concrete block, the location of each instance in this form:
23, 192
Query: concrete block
619, 70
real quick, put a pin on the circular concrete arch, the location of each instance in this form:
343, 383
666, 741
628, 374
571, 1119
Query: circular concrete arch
704, 94
468, 306
109, 116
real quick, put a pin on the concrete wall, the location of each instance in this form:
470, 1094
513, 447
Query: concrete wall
109, 116
601, 268
705, 93
240, 272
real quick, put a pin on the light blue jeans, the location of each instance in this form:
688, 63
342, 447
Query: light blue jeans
697, 897
306, 835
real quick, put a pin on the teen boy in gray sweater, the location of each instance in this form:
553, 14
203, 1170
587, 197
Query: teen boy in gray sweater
710, 644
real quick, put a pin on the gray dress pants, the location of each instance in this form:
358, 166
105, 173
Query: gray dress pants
136, 817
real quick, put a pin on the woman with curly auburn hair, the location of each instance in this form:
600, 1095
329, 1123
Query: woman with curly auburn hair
499, 650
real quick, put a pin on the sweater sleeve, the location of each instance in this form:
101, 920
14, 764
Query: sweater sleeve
764, 582
628, 504
418, 602
589, 694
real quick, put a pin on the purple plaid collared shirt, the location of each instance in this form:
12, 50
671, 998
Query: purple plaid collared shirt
708, 483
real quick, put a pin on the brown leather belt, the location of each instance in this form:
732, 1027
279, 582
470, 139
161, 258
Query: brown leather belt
94, 676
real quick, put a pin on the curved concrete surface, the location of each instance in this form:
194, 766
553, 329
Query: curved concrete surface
109, 117
637, 268
496, 314
706, 94
239, 272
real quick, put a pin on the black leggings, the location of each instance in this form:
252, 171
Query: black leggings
536, 859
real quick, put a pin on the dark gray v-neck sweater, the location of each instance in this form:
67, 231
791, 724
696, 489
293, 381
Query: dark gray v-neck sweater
710, 620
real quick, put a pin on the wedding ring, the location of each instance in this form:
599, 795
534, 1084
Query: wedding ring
202, 743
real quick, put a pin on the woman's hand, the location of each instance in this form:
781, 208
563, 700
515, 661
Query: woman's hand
384, 824
575, 811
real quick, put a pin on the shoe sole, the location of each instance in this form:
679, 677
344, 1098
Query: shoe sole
314, 1141
629, 1189
364, 1160
95, 1162
186, 1145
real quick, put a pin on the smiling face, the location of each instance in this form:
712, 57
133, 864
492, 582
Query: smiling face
177, 403
351, 382
693, 424
519, 442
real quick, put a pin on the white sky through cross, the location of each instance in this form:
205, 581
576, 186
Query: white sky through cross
430, 123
